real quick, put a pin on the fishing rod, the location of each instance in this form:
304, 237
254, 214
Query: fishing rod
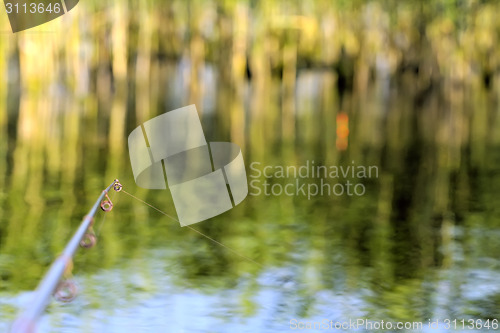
52, 284
65, 290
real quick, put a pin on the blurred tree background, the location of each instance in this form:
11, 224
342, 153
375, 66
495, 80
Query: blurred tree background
418, 82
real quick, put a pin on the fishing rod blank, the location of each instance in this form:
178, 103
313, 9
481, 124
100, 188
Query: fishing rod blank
51, 283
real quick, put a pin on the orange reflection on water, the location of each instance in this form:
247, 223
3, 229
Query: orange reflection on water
342, 131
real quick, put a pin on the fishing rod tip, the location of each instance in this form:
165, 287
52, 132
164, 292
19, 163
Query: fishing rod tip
118, 186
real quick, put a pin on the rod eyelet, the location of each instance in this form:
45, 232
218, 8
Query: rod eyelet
89, 240
66, 291
117, 187
106, 204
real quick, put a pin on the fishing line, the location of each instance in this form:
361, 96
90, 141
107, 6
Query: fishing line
193, 229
